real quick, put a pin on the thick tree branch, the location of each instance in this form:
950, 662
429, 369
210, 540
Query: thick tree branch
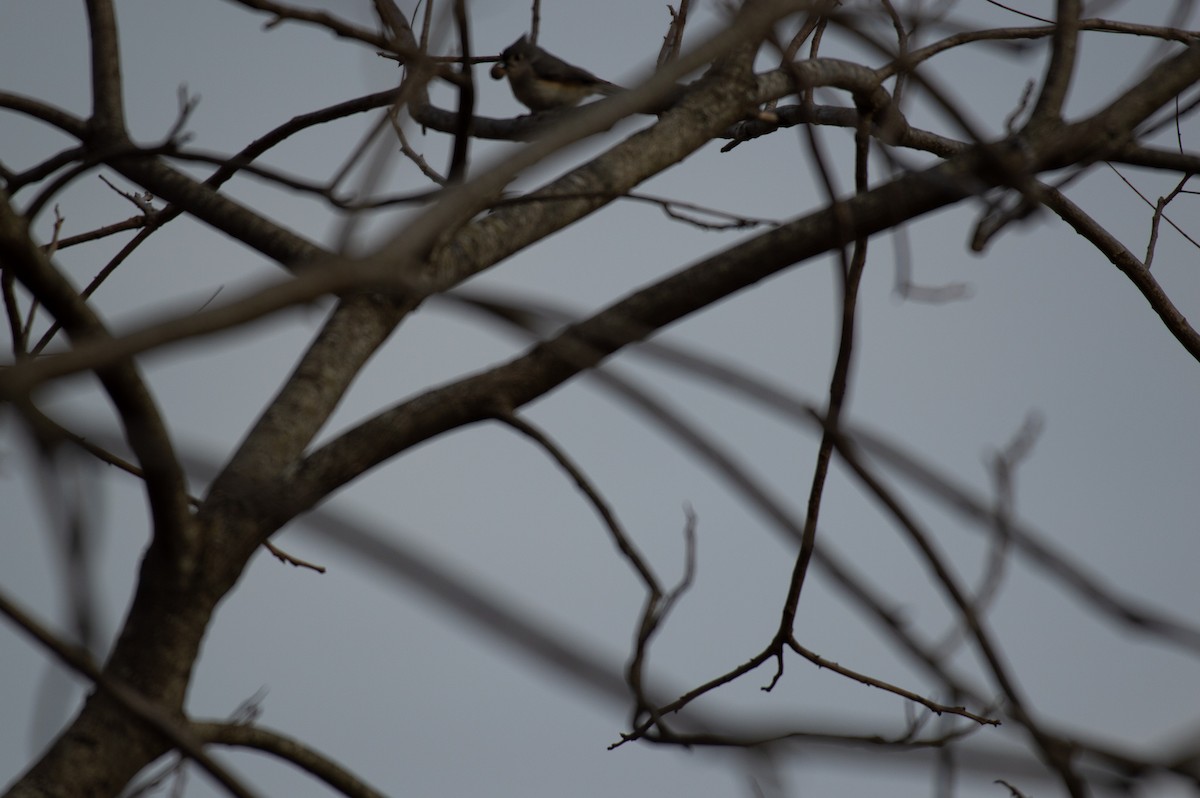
480, 244
585, 344
107, 122
1057, 81
124, 700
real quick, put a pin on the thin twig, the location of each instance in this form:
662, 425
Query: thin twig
850, 278
626, 546
535, 21
673, 38
1154, 205
871, 681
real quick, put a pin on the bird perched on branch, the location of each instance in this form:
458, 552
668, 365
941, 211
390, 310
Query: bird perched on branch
544, 82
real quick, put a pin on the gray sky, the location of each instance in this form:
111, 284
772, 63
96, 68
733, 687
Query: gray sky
394, 686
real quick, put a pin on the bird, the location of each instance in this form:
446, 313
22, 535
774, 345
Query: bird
544, 82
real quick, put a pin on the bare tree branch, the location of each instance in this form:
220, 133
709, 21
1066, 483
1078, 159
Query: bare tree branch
426, 242
241, 735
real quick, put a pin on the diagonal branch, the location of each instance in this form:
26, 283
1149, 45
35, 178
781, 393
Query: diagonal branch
1055, 752
1120, 256
584, 345
622, 541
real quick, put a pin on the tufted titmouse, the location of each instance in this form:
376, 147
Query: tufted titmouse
544, 82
